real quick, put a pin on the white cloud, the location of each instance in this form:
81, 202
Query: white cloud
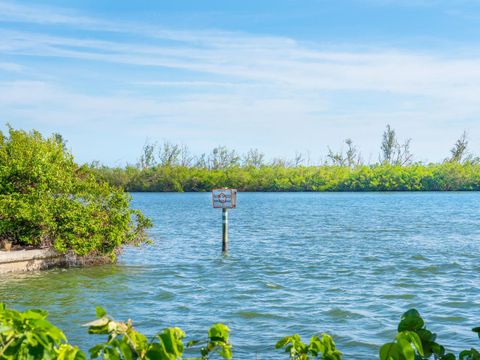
261, 87
11, 67
289, 64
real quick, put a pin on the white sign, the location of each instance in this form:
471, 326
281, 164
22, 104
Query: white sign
224, 198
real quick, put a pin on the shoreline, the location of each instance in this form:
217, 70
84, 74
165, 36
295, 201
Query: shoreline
16, 261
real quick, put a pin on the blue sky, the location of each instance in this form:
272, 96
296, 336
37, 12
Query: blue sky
281, 76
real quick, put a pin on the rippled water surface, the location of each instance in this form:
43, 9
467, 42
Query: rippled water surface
346, 263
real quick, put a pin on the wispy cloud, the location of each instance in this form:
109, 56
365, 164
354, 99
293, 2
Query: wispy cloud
258, 85
11, 67
287, 64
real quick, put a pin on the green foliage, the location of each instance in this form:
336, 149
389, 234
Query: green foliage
415, 342
171, 167
319, 348
448, 176
125, 343
217, 342
29, 336
46, 199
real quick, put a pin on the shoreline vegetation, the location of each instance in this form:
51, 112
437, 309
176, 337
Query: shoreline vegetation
48, 201
172, 168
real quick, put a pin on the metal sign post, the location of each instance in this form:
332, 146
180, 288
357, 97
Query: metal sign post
224, 199
224, 230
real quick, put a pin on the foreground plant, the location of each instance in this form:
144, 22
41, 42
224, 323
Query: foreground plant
125, 343
319, 348
28, 335
414, 341
217, 341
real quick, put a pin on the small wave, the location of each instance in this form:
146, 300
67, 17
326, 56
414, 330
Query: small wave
419, 257
338, 313
407, 285
255, 314
457, 304
359, 343
433, 269
388, 269
336, 290
370, 258
165, 295
449, 318
399, 296
273, 286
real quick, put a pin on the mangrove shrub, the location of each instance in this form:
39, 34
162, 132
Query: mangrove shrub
47, 200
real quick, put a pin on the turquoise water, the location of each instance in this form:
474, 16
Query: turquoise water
345, 263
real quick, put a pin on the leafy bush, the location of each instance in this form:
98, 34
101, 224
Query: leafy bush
28, 335
46, 199
125, 343
319, 348
415, 342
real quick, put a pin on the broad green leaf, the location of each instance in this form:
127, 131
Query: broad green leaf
413, 338
219, 331
100, 312
405, 348
282, 342
410, 321
448, 357
96, 350
390, 351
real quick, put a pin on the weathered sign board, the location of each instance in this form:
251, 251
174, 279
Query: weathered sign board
224, 198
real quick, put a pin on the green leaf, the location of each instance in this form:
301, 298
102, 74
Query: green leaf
282, 342
100, 312
125, 350
96, 350
414, 339
193, 343
35, 314
437, 349
448, 357
4, 328
410, 321
219, 332
226, 352
426, 335
390, 351
405, 349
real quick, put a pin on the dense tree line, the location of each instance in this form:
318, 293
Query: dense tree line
172, 167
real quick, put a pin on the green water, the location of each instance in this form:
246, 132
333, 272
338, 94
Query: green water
346, 263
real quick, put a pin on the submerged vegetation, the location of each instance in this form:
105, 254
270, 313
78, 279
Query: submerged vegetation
47, 200
171, 167
29, 335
